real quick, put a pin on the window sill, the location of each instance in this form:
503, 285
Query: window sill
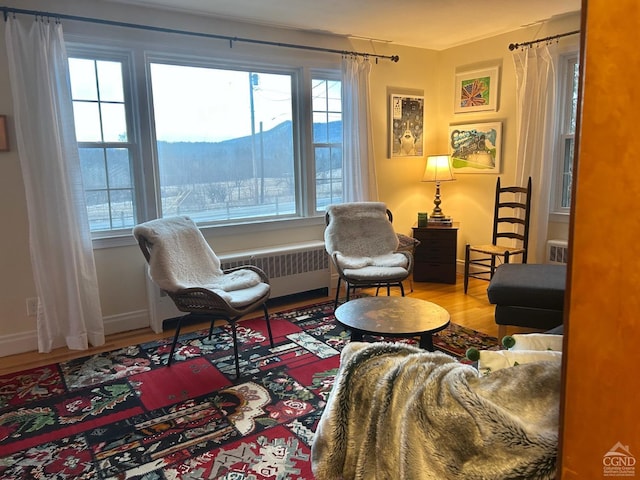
559, 217
126, 239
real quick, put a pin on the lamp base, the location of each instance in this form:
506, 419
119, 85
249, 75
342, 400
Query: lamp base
437, 211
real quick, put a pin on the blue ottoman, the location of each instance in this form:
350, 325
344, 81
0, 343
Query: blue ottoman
528, 295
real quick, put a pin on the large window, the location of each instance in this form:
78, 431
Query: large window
568, 91
222, 143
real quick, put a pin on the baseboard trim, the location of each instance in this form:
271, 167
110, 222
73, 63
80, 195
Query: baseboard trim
15, 343
126, 321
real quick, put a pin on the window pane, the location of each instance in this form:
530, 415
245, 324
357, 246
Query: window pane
567, 173
110, 81
320, 127
336, 161
121, 202
328, 176
225, 142
114, 122
83, 79
119, 168
334, 96
335, 128
98, 210
575, 75
87, 120
92, 162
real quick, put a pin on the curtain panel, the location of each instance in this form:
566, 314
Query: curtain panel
535, 96
59, 238
359, 169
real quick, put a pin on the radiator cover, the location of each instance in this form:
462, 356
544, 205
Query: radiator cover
557, 252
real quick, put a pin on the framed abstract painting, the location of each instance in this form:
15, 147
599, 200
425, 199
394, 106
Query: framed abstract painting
476, 148
476, 91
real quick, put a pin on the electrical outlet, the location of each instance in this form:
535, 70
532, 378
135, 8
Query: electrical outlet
32, 306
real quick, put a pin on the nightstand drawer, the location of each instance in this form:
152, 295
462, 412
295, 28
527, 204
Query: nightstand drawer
434, 272
436, 252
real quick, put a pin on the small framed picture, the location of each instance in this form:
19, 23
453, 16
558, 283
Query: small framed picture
476, 148
406, 126
4, 134
476, 91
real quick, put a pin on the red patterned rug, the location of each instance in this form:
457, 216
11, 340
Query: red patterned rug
124, 414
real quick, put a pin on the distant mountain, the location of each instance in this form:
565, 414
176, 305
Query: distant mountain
232, 160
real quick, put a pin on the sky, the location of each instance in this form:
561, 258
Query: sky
204, 104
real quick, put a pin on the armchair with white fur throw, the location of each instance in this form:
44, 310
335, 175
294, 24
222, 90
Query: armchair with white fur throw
396, 411
182, 263
363, 246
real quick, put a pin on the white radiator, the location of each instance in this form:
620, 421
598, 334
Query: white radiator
557, 251
291, 269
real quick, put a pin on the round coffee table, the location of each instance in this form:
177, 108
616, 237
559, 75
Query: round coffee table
393, 317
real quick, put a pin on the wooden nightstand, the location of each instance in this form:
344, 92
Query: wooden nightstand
435, 257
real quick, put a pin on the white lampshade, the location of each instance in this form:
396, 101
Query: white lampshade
437, 169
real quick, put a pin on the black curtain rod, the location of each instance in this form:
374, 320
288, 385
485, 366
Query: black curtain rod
8, 10
513, 46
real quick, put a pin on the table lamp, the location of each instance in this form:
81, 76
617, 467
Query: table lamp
437, 169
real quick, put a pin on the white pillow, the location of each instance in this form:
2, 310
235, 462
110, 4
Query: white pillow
490, 360
534, 341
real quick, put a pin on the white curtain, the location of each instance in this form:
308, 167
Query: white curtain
359, 168
59, 239
535, 90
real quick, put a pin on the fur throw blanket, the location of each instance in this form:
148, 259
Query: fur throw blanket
181, 258
396, 411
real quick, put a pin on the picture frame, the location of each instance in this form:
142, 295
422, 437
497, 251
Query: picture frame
4, 134
476, 90
406, 126
476, 147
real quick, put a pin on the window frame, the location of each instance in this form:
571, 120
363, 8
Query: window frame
137, 86
566, 64
125, 57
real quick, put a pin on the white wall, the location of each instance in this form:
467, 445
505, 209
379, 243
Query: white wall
121, 269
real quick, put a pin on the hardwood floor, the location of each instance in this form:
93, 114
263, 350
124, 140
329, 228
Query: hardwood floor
471, 310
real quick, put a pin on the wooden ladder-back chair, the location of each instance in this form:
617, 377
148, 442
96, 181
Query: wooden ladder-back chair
511, 216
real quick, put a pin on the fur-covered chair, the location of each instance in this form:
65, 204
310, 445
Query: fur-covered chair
182, 263
363, 246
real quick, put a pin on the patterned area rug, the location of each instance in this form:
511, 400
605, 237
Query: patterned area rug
124, 414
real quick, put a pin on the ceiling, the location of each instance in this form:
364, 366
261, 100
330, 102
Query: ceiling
433, 24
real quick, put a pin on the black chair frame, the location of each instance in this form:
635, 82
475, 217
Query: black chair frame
203, 303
